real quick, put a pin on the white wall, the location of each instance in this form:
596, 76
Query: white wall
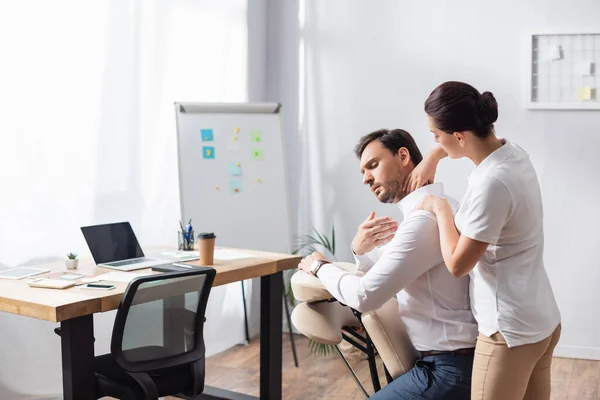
370, 65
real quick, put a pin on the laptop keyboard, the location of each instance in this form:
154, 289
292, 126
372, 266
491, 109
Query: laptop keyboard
129, 262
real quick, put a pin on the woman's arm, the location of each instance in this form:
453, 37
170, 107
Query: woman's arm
425, 171
460, 252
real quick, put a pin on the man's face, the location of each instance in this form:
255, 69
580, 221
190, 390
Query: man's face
385, 172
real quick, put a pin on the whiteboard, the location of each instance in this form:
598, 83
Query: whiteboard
231, 174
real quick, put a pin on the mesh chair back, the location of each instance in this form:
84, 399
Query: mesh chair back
160, 320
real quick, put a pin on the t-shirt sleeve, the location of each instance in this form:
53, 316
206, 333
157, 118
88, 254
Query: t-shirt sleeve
488, 209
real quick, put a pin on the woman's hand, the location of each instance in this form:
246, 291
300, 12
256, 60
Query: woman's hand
424, 173
430, 203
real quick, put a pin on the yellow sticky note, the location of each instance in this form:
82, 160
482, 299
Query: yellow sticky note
235, 138
237, 130
584, 93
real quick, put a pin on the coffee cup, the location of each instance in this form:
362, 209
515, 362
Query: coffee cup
206, 247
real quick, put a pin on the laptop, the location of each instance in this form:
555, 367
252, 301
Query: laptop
115, 246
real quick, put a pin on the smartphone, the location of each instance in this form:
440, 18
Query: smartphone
97, 286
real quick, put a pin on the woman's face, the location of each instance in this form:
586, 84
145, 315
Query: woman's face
453, 144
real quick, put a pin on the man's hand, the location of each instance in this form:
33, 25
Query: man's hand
307, 261
373, 232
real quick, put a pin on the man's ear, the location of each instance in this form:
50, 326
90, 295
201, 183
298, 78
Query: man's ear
403, 156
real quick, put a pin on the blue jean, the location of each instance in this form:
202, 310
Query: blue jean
438, 377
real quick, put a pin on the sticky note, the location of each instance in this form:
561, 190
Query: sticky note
208, 152
235, 169
235, 186
256, 136
584, 93
556, 53
235, 138
584, 68
258, 154
237, 130
207, 135
552, 53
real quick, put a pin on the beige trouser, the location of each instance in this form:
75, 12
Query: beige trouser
520, 372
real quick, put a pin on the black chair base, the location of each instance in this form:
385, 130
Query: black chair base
113, 381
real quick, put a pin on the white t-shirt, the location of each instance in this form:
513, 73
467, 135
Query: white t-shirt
434, 306
510, 291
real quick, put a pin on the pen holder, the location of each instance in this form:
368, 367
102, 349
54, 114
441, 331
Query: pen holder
185, 242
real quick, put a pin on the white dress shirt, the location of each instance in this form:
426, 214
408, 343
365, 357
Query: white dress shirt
510, 291
434, 306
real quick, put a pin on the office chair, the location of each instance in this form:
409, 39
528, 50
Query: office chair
157, 346
322, 318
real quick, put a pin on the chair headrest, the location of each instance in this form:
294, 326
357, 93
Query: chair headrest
307, 287
323, 322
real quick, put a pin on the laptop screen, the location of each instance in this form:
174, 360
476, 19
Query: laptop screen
112, 242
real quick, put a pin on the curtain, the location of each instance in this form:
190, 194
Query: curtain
87, 136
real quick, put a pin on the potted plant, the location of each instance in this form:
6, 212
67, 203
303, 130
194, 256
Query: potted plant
71, 262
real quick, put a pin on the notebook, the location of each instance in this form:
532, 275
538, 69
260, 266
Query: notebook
51, 283
20, 272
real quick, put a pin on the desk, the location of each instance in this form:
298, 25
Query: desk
74, 309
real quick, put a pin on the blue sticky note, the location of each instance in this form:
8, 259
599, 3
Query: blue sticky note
235, 168
208, 152
207, 135
235, 187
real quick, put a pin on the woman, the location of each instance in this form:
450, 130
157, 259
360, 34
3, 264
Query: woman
497, 238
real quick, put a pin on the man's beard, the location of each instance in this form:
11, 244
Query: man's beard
390, 190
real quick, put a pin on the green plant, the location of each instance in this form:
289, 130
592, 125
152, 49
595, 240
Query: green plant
320, 349
306, 245
72, 256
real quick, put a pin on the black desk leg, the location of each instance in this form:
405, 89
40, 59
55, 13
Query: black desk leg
271, 319
271, 332
289, 322
77, 340
246, 331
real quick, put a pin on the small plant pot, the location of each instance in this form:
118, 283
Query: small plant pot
71, 264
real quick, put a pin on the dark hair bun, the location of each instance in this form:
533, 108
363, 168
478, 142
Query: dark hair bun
488, 110
459, 107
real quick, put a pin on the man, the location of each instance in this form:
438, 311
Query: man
434, 305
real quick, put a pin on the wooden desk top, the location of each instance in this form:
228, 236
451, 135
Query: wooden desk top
55, 305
